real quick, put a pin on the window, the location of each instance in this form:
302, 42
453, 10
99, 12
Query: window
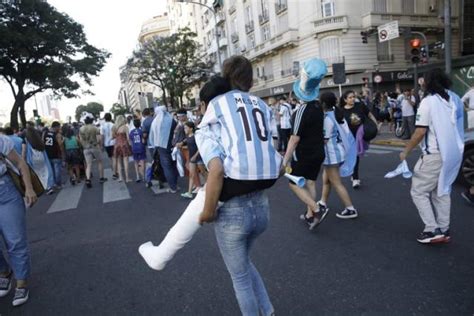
380, 6
251, 41
263, 6
268, 69
408, 6
286, 64
383, 51
265, 33
248, 15
327, 8
329, 50
283, 23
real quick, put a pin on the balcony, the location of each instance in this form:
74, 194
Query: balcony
331, 23
286, 72
420, 21
281, 7
223, 42
234, 37
232, 9
288, 38
264, 17
249, 27
267, 77
220, 17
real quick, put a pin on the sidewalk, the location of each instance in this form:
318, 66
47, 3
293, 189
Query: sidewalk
388, 138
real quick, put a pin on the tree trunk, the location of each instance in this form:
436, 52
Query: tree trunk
21, 110
14, 116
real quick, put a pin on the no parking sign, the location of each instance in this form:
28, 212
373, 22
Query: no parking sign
388, 31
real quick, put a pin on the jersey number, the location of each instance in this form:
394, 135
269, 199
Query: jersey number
259, 121
49, 141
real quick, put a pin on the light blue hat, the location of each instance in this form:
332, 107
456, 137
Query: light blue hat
306, 88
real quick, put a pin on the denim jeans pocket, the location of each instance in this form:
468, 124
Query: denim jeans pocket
231, 219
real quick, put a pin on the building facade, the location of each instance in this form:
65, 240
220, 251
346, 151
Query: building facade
279, 35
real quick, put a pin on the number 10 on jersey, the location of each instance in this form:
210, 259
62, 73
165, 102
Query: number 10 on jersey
259, 121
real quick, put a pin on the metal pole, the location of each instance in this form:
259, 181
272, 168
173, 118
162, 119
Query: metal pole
447, 35
340, 91
415, 76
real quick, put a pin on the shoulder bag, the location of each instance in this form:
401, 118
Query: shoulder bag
17, 179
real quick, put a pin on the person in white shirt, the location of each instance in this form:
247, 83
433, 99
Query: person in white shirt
408, 113
468, 99
285, 122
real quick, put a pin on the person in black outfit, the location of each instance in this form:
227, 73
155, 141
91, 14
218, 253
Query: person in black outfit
306, 145
355, 115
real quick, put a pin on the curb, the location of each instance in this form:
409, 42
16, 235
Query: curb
389, 142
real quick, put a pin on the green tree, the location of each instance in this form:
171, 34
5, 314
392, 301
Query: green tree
92, 107
172, 63
43, 49
119, 109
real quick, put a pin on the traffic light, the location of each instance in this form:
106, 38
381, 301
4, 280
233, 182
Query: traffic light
424, 55
36, 116
365, 37
415, 51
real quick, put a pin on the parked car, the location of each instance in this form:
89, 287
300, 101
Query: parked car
466, 172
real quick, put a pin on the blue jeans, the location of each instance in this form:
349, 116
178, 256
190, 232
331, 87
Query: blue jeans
238, 224
169, 167
13, 230
56, 165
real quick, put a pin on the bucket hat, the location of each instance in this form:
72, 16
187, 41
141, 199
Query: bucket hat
306, 88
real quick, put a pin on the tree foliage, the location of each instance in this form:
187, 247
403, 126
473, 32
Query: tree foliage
118, 109
172, 63
43, 49
92, 107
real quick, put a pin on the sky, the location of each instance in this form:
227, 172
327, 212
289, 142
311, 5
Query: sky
110, 25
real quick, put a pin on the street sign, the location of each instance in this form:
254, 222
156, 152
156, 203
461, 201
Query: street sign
388, 31
378, 79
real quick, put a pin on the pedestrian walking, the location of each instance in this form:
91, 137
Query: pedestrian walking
440, 130
337, 149
122, 150
106, 131
138, 150
408, 113
355, 114
37, 158
53, 143
13, 225
306, 145
90, 140
252, 163
285, 122
73, 155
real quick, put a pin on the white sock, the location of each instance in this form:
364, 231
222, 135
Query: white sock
322, 203
351, 207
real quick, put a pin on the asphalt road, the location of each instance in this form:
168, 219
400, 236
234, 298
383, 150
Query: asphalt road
85, 260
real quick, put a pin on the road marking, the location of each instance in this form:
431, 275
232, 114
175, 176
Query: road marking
378, 152
391, 148
114, 190
67, 199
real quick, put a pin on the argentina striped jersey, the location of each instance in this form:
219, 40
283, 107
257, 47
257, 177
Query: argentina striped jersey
245, 125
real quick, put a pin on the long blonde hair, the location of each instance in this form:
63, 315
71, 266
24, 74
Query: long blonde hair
119, 122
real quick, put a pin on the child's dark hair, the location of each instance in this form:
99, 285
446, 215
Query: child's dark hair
213, 88
437, 82
68, 132
190, 125
344, 96
238, 71
137, 123
329, 101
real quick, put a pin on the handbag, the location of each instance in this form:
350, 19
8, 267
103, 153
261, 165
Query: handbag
17, 179
370, 129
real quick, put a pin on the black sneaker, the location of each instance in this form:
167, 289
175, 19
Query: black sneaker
431, 237
115, 176
5, 285
309, 220
347, 214
320, 216
50, 191
468, 197
21, 296
88, 183
102, 180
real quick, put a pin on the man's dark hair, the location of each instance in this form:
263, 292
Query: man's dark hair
108, 117
88, 120
437, 82
8, 131
238, 71
146, 112
137, 123
283, 98
181, 111
56, 124
190, 125
213, 88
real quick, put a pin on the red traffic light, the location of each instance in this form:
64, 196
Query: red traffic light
415, 43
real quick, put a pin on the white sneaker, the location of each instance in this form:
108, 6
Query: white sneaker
196, 190
21, 296
355, 183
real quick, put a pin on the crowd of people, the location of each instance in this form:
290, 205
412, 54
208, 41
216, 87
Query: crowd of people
237, 147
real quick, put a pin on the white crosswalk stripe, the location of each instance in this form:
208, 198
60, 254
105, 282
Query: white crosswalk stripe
67, 199
383, 150
114, 190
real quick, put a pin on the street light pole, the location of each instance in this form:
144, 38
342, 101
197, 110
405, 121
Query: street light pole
447, 35
215, 27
